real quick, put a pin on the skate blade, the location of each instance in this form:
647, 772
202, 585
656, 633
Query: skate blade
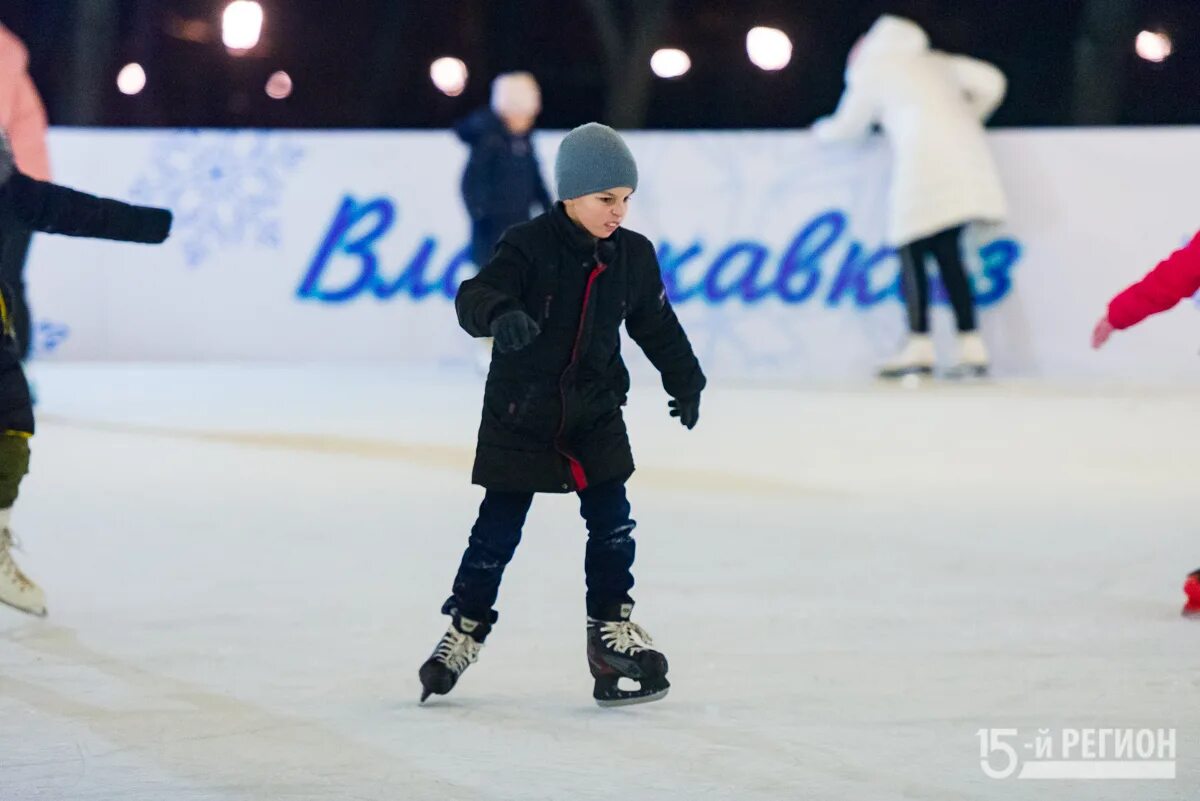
631, 700
42, 612
429, 692
968, 372
905, 372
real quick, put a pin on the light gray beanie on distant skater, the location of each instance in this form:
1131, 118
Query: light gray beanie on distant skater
593, 158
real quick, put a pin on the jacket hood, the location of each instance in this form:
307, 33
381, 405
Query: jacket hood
888, 38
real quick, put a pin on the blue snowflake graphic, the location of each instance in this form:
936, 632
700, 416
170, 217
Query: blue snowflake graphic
224, 187
48, 335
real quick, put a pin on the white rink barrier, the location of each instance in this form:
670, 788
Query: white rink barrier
296, 246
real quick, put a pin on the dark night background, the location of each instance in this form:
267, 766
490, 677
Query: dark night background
365, 63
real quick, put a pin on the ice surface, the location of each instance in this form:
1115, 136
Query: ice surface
244, 567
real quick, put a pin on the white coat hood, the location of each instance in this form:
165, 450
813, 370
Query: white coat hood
931, 106
891, 36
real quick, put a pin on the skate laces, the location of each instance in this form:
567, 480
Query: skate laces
625, 636
457, 650
8, 544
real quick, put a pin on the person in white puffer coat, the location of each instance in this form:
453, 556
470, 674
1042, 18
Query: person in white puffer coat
931, 107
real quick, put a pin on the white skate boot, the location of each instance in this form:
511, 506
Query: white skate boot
16, 589
973, 359
917, 359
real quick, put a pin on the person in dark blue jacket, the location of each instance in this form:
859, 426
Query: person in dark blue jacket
503, 180
42, 206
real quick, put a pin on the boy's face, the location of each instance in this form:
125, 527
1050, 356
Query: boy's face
600, 213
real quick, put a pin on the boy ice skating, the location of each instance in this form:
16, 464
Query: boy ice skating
1176, 278
46, 207
553, 296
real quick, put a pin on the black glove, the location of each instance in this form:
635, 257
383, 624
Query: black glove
514, 330
687, 410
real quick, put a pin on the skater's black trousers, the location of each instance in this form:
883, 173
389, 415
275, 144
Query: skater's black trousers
946, 249
497, 532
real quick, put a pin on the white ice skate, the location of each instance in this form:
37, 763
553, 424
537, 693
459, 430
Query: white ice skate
972, 357
16, 589
917, 359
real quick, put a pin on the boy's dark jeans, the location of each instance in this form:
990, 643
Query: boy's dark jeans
497, 532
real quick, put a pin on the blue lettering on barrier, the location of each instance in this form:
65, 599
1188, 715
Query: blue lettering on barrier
742, 270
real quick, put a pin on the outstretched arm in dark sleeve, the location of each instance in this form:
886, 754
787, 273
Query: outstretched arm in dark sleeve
55, 209
496, 290
654, 327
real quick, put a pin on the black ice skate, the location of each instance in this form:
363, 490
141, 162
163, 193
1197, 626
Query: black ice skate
457, 650
619, 648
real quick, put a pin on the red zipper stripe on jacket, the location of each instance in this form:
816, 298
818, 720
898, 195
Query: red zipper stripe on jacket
577, 473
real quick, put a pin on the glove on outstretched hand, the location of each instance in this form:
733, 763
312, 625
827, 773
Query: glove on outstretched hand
514, 330
687, 410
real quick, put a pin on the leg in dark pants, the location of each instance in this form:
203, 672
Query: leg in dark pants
494, 539
483, 242
916, 285
14, 464
14, 249
947, 249
610, 546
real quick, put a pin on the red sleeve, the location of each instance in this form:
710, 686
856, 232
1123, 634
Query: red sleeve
1173, 280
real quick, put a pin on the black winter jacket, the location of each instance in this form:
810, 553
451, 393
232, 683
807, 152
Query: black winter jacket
54, 209
552, 412
503, 179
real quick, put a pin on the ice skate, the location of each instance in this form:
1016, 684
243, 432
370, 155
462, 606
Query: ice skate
618, 648
1191, 588
973, 359
16, 589
457, 650
917, 359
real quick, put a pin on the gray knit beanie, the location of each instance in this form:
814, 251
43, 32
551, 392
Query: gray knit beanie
593, 158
